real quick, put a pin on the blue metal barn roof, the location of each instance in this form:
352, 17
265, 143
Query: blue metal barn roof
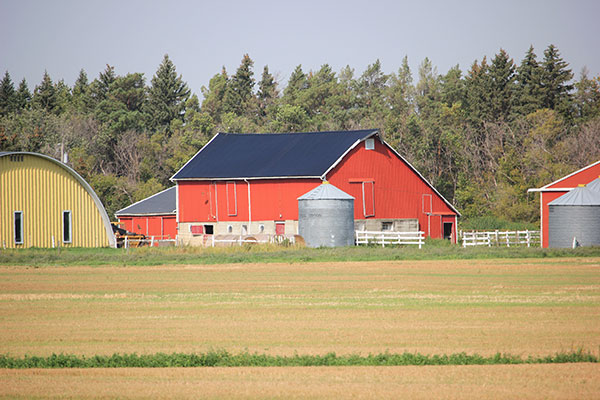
271, 155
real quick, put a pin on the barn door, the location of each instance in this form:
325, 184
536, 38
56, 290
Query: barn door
368, 195
280, 228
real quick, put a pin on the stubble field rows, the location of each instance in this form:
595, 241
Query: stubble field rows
521, 307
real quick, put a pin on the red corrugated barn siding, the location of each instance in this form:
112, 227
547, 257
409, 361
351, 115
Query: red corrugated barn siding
272, 200
582, 177
159, 225
398, 189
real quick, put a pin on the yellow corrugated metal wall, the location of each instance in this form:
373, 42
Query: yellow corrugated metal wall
43, 190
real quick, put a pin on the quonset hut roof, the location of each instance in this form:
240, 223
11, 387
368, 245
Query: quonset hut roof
271, 155
580, 196
161, 203
326, 191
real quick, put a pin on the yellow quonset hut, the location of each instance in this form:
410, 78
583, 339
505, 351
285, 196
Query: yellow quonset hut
45, 203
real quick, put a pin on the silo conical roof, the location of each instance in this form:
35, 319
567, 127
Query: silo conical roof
594, 185
326, 191
580, 196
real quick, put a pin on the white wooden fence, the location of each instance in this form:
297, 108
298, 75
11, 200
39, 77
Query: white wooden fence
151, 241
500, 238
389, 237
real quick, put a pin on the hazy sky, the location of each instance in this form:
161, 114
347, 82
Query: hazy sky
202, 36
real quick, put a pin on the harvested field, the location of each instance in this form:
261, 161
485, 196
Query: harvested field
564, 381
522, 307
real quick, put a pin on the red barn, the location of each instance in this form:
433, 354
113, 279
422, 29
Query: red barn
153, 216
559, 187
249, 184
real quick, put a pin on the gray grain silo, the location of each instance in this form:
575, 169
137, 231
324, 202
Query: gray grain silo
575, 216
326, 217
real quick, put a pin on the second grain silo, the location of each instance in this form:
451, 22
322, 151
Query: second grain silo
326, 217
574, 219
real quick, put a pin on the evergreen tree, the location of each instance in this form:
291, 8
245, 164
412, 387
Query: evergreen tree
528, 95
587, 97
428, 88
239, 88
267, 90
478, 88
401, 90
167, 96
81, 92
44, 95
502, 77
8, 97
453, 87
555, 82
23, 95
371, 86
100, 86
213, 96
63, 97
296, 83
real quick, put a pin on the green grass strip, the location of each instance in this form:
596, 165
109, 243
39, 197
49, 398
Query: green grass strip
226, 359
433, 250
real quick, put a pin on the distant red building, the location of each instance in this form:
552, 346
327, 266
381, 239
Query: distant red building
559, 187
249, 184
154, 216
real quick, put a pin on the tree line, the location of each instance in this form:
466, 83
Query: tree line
482, 137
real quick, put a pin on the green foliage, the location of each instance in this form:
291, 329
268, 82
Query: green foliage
166, 96
490, 223
482, 137
222, 358
44, 95
238, 93
8, 96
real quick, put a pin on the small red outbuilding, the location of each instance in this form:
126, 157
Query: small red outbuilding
559, 187
246, 184
154, 216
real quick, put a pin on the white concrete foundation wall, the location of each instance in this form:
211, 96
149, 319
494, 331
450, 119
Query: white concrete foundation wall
185, 236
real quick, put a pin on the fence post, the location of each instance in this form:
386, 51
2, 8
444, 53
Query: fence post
527, 236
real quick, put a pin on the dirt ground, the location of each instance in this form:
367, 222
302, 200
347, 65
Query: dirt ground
558, 381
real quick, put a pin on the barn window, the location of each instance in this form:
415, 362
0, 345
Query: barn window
368, 195
18, 225
229, 228
387, 226
261, 228
231, 199
209, 229
67, 229
244, 229
370, 144
197, 229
